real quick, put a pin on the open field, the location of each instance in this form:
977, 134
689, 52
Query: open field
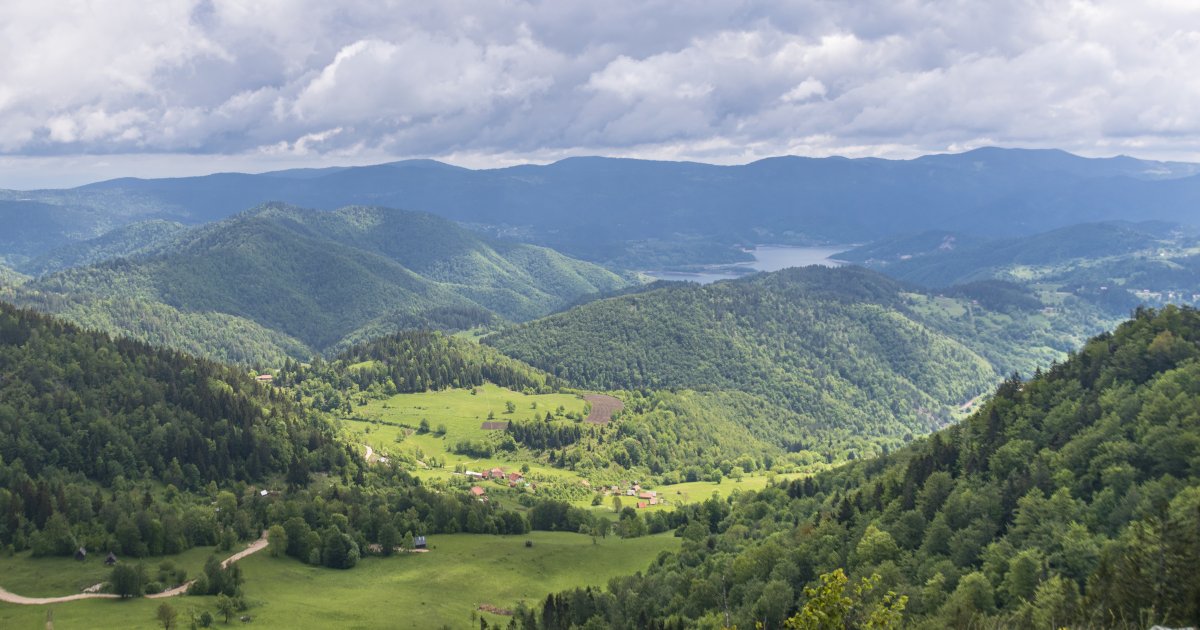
432, 590
55, 576
462, 412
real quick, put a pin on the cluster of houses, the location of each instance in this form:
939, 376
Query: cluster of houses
646, 498
513, 479
497, 473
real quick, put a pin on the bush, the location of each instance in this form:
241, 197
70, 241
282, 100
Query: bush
528, 543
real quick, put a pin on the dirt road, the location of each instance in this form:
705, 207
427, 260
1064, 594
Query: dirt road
13, 598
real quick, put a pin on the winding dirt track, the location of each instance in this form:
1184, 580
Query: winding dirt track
13, 598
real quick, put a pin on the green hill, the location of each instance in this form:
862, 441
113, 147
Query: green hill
1070, 500
846, 348
281, 281
127, 240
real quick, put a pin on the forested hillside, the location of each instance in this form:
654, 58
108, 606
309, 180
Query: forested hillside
10, 277
413, 361
844, 348
280, 281
112, 444
125, 241
1069, 500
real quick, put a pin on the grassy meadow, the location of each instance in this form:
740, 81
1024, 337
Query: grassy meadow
442, 588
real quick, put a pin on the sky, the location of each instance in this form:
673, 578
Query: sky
94, 90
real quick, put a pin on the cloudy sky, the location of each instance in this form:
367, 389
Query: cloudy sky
90, 90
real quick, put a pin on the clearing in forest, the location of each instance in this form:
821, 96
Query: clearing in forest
603, 407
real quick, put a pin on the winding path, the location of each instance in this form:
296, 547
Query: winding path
13, 598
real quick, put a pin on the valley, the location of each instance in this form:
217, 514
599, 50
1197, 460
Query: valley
439, 427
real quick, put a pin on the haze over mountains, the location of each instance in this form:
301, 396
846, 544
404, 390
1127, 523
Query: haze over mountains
638, 213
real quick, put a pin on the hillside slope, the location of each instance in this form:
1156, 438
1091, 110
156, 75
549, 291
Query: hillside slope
836, 345
1070, 500
282, 281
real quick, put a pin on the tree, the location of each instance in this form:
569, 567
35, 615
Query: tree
874, 547
772, 606
616, 503
166, 615
388, 537
830, 608
277, 541
408, 540
510, 407
128, 580
226, 606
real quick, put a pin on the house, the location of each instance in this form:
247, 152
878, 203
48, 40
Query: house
419, 542
477, 475
496, 473
111, 559
515, 477
479, 493
264, 378
81, 554
647, 494
641, 504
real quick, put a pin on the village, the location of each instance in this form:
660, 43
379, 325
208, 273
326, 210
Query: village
516, 479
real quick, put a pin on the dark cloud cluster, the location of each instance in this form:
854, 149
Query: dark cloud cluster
494, 82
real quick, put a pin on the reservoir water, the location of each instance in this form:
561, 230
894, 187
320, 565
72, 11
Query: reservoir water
766, 258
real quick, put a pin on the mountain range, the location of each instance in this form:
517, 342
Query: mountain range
638, 213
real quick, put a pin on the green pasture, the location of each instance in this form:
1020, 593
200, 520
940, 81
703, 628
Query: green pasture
442, 588
54, 576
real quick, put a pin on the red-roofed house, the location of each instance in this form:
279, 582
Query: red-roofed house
479, 493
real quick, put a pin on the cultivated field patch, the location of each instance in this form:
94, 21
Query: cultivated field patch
603, 407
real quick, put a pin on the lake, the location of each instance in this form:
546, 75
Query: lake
766, 258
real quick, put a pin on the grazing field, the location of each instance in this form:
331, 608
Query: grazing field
461, 411
391, 428
441, 588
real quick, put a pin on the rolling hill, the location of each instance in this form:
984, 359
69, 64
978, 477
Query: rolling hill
845, 348
280, 280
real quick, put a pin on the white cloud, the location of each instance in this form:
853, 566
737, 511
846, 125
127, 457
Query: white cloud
515, 79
